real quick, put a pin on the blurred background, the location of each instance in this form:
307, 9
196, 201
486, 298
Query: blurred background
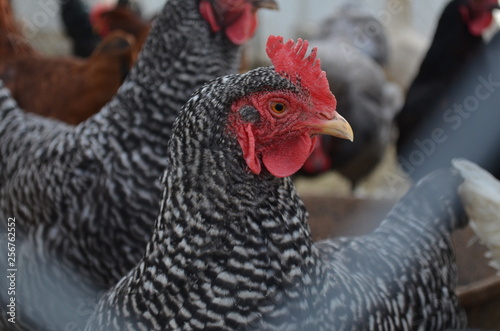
367, 194
411, 22
287, 22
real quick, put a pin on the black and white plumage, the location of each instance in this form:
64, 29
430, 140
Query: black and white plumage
480, 194
84, 197
232, 248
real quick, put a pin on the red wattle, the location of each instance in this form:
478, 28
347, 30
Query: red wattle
479, 24
207, 12
100, 24
286, 159
318, 161
475, 23
243, 28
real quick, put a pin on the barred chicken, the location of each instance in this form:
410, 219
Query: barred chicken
232, 249
222, 198
84, 197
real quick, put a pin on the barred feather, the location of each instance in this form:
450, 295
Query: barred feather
480, 194
232, 250
85, 197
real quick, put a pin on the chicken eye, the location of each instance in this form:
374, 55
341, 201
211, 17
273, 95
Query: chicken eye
278, 107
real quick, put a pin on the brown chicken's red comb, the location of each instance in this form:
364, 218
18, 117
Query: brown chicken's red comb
289, 61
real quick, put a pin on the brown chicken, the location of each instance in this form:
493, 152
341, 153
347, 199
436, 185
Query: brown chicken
106, 19
67, 88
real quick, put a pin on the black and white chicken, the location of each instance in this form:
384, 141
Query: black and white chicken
232, 248
84, 197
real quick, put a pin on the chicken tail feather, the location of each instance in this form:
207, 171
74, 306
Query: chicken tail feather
480, 194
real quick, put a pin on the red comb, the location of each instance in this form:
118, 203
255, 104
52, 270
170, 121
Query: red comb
96, 18
289, 61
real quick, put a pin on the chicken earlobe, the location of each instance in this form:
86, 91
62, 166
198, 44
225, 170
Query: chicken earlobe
247, 142
208, 14
244, 27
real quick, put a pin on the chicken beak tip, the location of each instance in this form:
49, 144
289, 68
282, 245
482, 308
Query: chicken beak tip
347, 132
337, 127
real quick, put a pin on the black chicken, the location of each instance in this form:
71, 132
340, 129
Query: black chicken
455, 65
84, 197
76, 21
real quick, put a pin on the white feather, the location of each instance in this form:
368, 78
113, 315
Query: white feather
480, 194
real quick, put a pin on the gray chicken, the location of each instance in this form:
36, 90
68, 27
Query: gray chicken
353, 47
368, 101
84, 197
232, 249
353, 27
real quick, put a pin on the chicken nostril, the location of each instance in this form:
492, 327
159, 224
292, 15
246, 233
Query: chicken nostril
327, 116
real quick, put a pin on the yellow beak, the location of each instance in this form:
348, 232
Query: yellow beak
336, 126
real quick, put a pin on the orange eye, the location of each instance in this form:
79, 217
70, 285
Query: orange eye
278, 107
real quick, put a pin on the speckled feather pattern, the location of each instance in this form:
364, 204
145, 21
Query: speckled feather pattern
232, 250
86, 197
